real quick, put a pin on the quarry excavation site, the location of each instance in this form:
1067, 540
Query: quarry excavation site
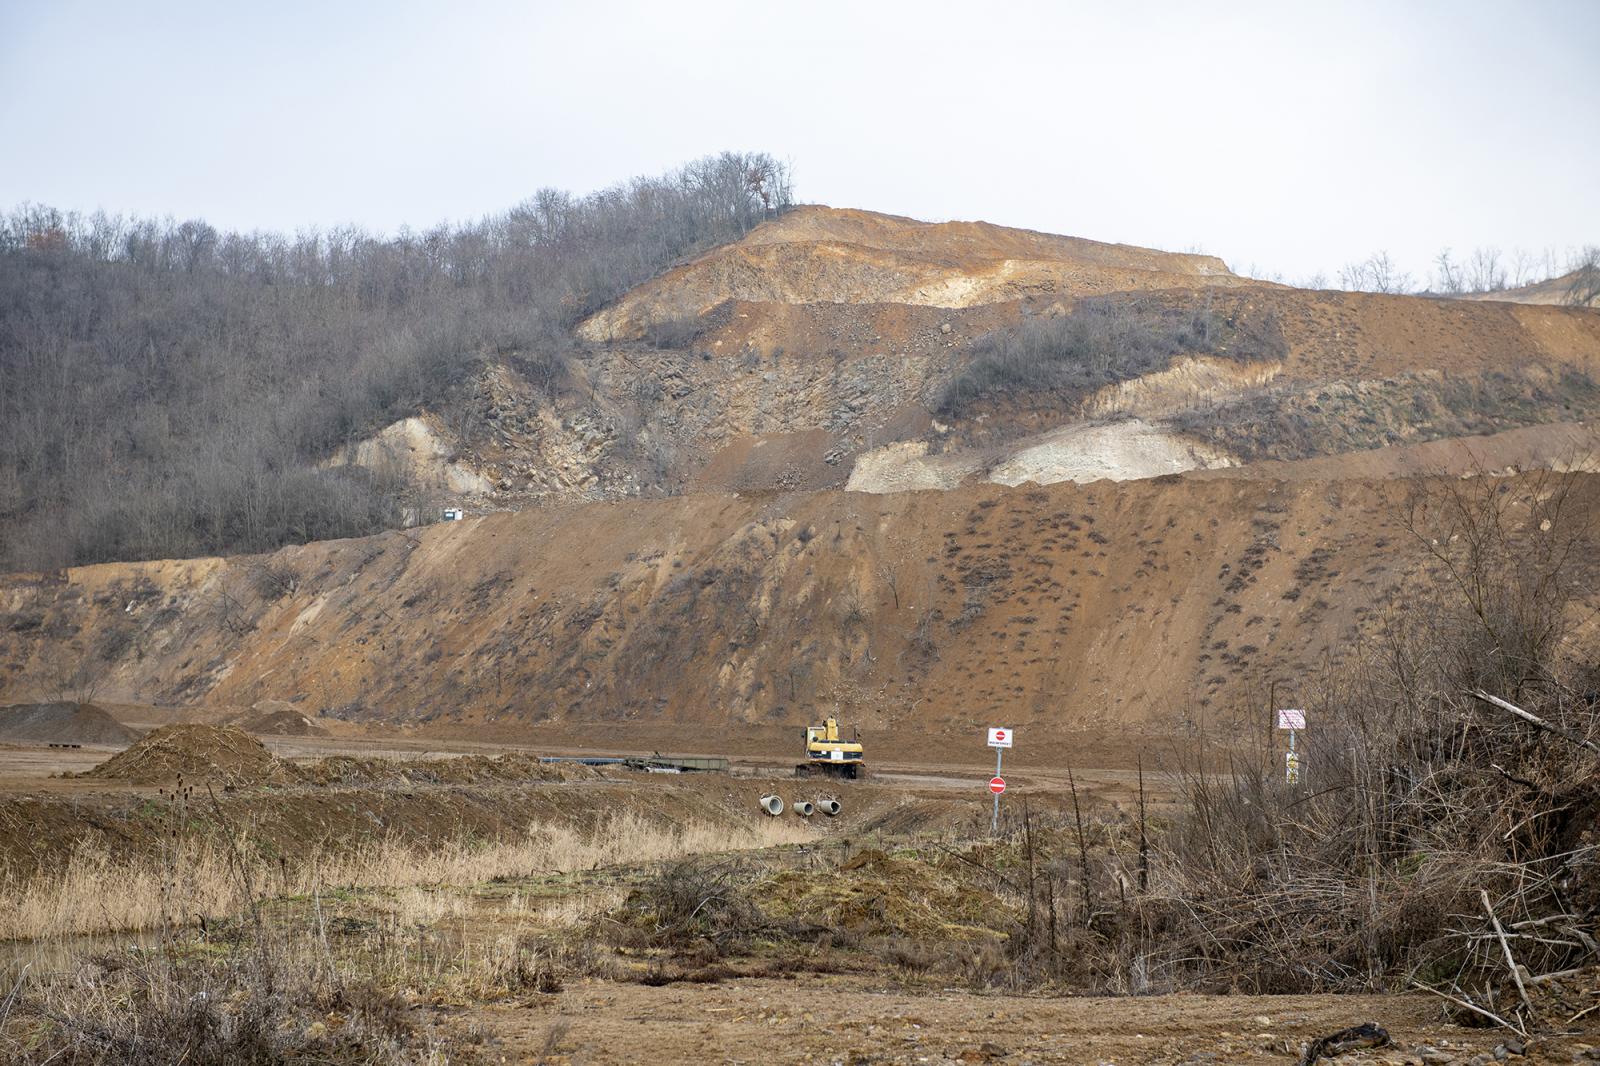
648, 722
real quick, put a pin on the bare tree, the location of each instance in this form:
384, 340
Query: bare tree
1377, 273
1584, 288
168, 390
1524, 268
1447, 275
1485, 272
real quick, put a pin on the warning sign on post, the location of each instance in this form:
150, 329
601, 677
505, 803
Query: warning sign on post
1292, 718
1000, 737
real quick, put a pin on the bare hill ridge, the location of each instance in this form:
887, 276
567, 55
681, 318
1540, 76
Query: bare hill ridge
829, 255
855, 460
1556, 290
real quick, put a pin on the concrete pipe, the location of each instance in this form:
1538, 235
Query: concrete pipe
803, 808
773, 805
829, 807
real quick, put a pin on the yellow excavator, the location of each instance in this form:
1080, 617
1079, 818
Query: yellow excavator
828, 754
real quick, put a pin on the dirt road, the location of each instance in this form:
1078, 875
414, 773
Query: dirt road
837, 1019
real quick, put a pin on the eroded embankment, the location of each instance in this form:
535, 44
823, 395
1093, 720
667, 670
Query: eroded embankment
1065, 607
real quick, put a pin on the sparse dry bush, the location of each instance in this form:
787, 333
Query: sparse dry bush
159, 1008
696, 901
97, 891
679, 332
1428, 813
1104, 340
1584, 288
273, 580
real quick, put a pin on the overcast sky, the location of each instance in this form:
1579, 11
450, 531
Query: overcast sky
1292, 137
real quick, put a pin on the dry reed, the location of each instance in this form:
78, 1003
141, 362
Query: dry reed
96, 892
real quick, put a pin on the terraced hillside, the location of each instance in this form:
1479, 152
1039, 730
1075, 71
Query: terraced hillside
923, 473
840, 348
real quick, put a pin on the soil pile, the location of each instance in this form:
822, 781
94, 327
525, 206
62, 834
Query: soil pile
882, 895
195, 752
275, 718
63, 723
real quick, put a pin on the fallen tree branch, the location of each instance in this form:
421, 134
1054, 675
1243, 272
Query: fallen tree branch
1505, 946
1559, 975
1533, 719
1473, 1007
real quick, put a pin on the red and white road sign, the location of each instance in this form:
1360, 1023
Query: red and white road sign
997, 785
1000, 738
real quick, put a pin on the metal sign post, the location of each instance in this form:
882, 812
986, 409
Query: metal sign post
1294, 720
1000, 738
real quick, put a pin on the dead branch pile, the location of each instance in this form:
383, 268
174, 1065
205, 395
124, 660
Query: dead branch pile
197, 752
1445, 830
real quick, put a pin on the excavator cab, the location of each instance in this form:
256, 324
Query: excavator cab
828, 754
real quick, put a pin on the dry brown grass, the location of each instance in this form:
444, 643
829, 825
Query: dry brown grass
96, 892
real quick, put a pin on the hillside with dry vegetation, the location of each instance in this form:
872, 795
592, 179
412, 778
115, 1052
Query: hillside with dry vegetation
726, 465
920, 472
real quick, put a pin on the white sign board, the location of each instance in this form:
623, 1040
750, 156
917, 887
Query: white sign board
1000, 738
1291, 719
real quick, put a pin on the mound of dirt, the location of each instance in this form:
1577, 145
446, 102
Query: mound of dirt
901, 895
196, 752
275, 718
63, 723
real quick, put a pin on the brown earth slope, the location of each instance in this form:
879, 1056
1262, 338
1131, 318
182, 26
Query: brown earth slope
812, 358
826, 255
1065, 608
1558, 290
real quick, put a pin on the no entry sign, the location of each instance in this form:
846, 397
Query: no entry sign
1000, 738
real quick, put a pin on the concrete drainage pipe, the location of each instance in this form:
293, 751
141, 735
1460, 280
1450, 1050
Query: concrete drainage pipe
830, 807
803, 809
773, 805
